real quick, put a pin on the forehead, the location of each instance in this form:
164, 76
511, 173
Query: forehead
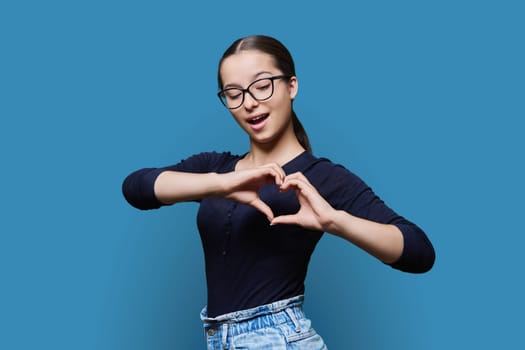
244, 66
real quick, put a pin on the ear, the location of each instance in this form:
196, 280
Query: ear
293, 86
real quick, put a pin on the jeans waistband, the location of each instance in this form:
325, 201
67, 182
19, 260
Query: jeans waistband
247, 314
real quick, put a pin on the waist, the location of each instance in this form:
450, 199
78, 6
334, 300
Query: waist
266, 315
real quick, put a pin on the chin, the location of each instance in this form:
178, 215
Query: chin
266, 140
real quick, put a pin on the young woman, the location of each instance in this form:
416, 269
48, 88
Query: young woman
262, 213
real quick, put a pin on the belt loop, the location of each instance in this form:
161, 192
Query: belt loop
225, 336
290, 314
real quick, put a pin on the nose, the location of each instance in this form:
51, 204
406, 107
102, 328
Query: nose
249, 101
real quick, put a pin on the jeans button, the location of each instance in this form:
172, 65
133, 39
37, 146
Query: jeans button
211, 332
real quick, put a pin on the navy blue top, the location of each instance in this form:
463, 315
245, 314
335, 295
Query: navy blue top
250, 263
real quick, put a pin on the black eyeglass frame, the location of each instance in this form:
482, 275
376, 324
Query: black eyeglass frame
247, 90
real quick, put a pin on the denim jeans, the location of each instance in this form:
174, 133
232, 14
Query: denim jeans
277, 326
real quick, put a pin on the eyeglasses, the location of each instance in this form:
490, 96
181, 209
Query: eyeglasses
260, 90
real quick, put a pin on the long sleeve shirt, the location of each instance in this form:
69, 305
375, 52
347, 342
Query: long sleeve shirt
250, 263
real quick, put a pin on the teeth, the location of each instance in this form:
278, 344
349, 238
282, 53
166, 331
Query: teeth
256, 119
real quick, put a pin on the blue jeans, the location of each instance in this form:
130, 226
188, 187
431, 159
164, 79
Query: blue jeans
277, 326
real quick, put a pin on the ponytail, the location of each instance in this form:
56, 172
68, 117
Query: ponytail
300, 133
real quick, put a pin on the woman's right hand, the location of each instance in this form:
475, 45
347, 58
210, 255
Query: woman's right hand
243, 185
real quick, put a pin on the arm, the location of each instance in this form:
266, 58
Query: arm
403, 245
174, 186
383, 241
152, 188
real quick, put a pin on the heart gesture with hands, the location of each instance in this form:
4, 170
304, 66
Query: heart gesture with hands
244, 186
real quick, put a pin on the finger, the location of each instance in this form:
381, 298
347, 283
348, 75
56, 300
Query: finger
263, 208
298, 184
285, 220
281, 172
266, 176
277, 172
268, 172
297, 176
289, 184
279, 176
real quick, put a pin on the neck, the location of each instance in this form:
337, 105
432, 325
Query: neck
286, 148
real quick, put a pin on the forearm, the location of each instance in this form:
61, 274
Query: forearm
172, 186
383, 241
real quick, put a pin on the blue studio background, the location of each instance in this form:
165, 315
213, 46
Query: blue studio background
424, 100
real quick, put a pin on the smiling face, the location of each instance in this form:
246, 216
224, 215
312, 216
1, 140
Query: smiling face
264, 121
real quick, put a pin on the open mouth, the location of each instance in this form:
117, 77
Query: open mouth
259, 119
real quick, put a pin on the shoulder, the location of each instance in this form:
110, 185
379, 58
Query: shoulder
336, 183
324, 169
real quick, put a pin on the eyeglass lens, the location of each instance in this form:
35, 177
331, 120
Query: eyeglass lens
260, 90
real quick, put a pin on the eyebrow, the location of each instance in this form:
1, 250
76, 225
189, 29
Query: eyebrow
254, 78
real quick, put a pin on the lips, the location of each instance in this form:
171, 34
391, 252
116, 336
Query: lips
258, 119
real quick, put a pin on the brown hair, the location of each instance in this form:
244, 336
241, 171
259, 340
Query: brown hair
283, 61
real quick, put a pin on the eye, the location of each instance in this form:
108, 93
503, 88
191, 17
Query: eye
263, 85
233, 94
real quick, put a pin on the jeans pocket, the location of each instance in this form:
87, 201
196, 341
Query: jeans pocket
305, 339
299, 333
299, 336
297, 328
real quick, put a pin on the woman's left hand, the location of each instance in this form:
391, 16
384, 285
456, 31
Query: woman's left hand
314, 212
383, 241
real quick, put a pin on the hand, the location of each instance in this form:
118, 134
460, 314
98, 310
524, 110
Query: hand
314, 210
243, 185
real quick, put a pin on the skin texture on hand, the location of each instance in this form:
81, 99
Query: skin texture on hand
243, 185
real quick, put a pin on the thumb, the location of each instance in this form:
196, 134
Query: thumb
284, 219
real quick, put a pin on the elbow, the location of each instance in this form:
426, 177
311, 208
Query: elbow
425, 261
416, 263
131, 194
418, 254
430, 258
137, 189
